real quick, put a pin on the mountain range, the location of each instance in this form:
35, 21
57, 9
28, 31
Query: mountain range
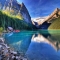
16, 8
50, 20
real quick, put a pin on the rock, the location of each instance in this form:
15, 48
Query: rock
7, 54
25, 13
2, 3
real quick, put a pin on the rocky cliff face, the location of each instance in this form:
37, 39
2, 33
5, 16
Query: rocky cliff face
24, 12
16, 7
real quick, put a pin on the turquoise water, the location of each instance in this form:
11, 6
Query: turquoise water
36, 45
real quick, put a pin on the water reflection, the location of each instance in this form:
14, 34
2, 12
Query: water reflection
19, 41
43, 48
40, 38
36, 45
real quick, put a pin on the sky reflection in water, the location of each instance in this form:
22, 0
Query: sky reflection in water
36, 45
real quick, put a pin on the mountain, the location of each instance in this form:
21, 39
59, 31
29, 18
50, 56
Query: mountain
9, 20
38, 22
56, 21
25, 13
45, 22
17, 8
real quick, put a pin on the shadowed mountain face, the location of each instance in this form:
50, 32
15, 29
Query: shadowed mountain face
16, 7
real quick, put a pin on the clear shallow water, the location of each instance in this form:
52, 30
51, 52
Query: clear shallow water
36, 45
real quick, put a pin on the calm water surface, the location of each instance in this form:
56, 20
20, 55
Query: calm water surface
36, 45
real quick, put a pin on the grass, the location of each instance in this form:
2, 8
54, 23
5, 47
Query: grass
1, 30
55, 25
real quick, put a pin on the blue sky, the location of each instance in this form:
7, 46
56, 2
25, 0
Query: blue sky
39, 8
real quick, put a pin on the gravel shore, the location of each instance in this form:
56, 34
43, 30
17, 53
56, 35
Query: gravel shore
7, 54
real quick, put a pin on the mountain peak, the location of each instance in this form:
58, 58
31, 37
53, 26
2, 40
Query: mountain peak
16, 7
49, 19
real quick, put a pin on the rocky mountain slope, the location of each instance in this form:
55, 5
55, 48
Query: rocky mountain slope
16, 8
55, 25
56, 20
55, 14
44, 21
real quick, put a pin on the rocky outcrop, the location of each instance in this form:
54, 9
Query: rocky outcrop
17, 8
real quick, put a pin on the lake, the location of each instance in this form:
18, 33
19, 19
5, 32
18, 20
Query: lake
36, 45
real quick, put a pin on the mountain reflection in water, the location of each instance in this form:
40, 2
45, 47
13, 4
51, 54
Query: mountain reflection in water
43, 48
36, 45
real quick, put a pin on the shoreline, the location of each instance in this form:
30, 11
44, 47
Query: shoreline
6, 53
